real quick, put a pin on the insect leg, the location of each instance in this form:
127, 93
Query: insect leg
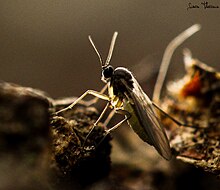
112, 113
123, 112
173, 119
94, 100
100, 117
99, 95
104, 124
119, 111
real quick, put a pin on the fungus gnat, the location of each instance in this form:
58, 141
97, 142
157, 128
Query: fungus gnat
125, 96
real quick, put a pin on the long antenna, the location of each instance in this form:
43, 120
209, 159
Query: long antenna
167, 57
111, 49
93, 45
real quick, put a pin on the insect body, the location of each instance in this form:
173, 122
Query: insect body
126, 97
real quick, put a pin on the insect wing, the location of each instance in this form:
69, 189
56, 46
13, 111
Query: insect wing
152, 127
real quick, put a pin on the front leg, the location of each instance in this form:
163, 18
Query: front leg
99, 95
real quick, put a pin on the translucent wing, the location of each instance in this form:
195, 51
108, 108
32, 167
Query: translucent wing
150, 126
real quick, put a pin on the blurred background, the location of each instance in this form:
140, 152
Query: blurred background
44, 43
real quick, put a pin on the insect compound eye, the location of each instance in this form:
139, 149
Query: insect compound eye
107, 72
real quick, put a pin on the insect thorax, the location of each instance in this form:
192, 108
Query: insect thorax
121, 81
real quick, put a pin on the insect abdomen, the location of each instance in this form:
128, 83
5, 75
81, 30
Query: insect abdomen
135, 123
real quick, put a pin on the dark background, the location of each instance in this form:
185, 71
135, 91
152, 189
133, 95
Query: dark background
44, 44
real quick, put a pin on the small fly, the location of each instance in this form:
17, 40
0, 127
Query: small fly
126, 97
